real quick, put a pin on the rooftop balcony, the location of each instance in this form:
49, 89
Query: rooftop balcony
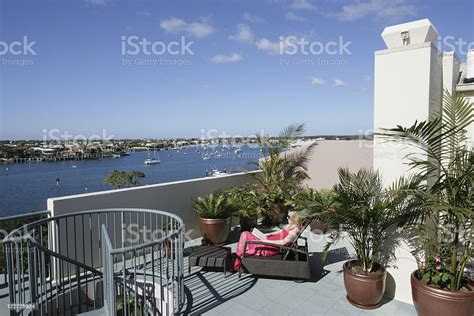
104, 262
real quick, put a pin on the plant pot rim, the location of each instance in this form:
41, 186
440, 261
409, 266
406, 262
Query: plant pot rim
436, 291
215, 219
373, 275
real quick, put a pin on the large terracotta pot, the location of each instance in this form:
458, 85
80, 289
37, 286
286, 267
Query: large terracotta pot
215, 231
430, 301
364, 291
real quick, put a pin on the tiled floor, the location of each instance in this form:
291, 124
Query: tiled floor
210, 293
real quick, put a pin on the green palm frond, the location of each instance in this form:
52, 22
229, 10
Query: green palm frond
215, 205
447, 174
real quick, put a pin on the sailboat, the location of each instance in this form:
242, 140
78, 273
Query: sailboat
154, 160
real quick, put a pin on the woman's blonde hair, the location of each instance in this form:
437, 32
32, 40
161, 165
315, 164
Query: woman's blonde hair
296, 216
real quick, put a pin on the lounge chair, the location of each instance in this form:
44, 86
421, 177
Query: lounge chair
292, 262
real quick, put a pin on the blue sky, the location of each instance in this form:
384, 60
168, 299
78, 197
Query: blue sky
235, 82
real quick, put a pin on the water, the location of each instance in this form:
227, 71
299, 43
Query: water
26, 187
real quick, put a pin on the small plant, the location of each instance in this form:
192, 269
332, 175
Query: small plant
127, 307
436, 269
244, 200
215, 205
122, 179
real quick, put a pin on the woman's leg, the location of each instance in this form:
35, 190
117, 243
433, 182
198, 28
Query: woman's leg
245, 236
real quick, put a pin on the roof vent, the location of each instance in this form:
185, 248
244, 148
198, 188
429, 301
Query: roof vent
416, 32
469, 78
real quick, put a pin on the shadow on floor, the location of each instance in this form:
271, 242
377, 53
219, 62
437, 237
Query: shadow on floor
317, 265
206, 289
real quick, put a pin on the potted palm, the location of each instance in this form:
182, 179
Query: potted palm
245, 205
282, 174
315, 205
366, 212
214, 217
441, 285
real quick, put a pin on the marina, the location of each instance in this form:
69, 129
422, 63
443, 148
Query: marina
83, 176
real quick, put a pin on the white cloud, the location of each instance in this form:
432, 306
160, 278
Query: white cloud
277, 47
200, 30
387, 9
291, 16
252, 18
197, 29
221, 59
317, 81
303, 5
268, 46
367, 78
244, 34
173, 25
339, 83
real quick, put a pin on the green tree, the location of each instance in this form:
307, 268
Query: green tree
122, 179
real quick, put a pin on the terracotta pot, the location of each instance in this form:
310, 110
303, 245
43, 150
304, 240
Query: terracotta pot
364, 291
318, 227
430, 301
215, 231
247, 223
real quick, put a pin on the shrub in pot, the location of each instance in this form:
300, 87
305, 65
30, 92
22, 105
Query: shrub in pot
315, 205
282, 174
443, 219
245, 204
214, 217
365, 211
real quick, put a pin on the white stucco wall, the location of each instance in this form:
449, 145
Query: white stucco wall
408, 86
329, 155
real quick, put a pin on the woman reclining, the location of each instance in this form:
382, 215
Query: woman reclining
284, 237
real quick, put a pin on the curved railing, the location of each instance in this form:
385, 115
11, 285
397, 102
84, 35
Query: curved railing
127, 261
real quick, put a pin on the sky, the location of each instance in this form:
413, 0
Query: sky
158, 69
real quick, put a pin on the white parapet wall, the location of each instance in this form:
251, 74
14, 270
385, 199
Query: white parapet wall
174, 197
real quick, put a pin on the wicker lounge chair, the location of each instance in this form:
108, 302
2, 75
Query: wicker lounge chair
292, 262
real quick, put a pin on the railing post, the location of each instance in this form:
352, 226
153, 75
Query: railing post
32, 278
108, 286
10, 272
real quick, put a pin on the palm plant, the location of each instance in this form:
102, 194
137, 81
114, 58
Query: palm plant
448, 198
366, 211
282, 174
315, 204
214, 206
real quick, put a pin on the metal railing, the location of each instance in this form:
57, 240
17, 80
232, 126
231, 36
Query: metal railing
127, 261
9, 224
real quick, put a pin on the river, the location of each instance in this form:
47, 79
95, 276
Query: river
26, 187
